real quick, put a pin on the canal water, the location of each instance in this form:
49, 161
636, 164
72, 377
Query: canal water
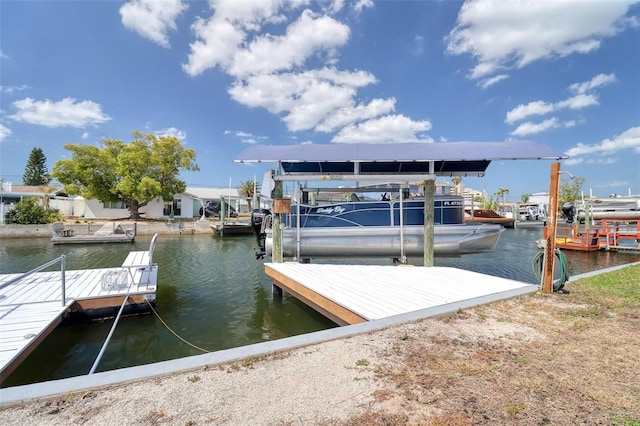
215, 295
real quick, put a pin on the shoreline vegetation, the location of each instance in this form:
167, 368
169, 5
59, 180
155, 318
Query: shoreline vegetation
562, 358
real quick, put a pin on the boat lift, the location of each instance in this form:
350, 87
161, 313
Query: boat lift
403, 162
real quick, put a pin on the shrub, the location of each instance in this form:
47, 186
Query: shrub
27, 211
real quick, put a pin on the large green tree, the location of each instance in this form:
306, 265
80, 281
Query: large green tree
570, 190
36, 172
134, 173
247, 189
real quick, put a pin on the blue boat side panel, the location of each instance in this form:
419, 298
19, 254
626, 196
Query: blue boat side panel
447, 210
346, 214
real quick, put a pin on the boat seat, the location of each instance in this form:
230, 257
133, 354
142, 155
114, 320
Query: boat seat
112, 280
354, 197
138, 264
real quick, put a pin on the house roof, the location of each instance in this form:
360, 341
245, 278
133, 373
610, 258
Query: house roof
447, 159
207, 193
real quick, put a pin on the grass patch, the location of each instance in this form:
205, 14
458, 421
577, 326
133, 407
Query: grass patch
362, 363
548, 351
614, 290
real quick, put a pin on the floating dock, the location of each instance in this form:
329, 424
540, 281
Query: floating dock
352, 294
232, 228
33, 304
108, 233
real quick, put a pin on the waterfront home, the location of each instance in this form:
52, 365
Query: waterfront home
186, 205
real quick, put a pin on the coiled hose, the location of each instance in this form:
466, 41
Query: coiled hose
538, 266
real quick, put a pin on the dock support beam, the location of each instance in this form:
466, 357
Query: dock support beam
276, 251
429, 195
550, 246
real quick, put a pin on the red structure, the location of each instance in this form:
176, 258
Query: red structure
606, 234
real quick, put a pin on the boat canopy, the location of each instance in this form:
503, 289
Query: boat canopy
411, 159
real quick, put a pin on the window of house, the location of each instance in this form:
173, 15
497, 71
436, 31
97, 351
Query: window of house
114, 205
177, 206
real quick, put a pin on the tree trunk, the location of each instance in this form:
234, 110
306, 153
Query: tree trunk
133, 209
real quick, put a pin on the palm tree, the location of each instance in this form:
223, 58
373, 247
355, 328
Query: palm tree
502, 193
456, 181
248, 189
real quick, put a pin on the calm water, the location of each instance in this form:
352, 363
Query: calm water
214, 294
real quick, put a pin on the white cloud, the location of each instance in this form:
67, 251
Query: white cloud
391, 128
85, 135
307, 99
13, 89
597, 81
174, 132
307, 36
246, 137
352, 114
627, 140
540, 107
66, 113
5, 132
273, 70
532, 108
221, 37
578, 102
529, 128
361, 4
493, 80
152, 19
511, 34
417, 47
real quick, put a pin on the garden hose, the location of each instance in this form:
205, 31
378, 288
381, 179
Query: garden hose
538, 266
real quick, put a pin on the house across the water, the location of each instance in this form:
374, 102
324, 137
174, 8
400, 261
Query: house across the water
186, 205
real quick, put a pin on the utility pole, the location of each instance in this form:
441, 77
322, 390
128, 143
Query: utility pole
550, 246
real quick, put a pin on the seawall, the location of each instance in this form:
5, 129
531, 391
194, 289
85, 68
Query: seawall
141, 228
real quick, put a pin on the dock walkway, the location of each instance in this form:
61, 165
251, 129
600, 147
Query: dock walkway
351, 294
33, 306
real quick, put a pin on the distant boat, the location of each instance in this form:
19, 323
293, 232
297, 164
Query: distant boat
610, 208
377, 229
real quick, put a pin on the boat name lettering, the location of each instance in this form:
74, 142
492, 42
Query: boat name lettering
453, 203
330, 210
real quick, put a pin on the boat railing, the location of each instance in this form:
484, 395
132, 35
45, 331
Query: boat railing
618, 232
61, 259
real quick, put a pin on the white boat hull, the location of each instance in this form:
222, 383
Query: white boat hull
384, 241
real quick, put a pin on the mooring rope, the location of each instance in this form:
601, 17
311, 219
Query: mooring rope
173, 332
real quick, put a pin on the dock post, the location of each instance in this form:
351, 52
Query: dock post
276, 291
276, 252
550, 246
429, 195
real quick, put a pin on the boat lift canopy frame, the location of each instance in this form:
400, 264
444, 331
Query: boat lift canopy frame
400, 161
390, 161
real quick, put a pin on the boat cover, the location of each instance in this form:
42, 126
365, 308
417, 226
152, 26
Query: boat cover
448, 157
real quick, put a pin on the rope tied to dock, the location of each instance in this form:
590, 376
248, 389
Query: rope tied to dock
173, 332
538, 266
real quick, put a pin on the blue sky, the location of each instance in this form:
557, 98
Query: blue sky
224, 74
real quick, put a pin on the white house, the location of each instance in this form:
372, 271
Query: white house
185, 205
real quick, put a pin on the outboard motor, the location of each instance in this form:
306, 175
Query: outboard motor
257, 218
568, 211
